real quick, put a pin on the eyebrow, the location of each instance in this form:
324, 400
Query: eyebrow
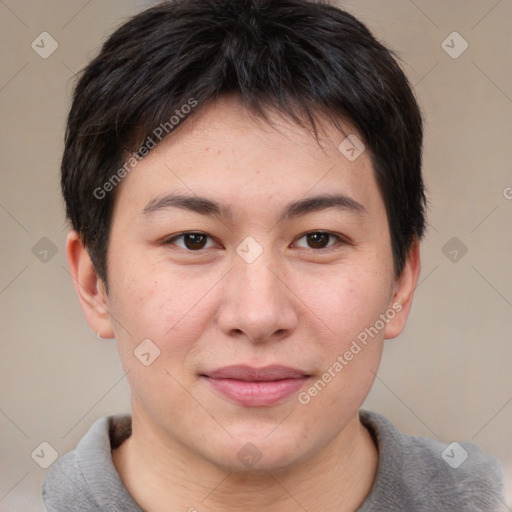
205, 206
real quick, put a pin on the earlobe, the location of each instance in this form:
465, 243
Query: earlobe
89, 287
405, 286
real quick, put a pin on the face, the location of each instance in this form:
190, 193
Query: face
256, 283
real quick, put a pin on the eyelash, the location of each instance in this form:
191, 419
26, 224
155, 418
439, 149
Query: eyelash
341, 240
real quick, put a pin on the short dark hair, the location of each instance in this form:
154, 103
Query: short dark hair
302, 58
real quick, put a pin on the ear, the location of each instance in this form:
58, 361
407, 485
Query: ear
404, 291
89, 287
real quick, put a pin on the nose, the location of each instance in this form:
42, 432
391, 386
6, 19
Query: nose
258, 304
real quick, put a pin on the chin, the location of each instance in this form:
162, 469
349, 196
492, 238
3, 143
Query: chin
253, 454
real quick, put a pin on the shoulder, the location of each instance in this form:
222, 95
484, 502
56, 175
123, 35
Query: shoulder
62, 484
85, 479
419, 474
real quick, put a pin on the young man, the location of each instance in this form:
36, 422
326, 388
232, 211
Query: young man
243, 180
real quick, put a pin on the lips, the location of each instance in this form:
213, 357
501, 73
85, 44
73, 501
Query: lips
248, 373
256, 387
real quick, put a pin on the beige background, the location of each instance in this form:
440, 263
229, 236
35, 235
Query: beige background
448, 376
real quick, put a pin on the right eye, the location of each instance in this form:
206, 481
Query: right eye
193, 241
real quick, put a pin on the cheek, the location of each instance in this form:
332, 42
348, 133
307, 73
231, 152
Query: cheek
167, 308
349, 304
351, 347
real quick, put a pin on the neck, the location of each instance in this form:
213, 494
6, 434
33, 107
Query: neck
163, 475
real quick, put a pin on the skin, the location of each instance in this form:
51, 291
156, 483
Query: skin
298, 304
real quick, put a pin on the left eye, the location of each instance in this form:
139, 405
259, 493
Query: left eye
318, 239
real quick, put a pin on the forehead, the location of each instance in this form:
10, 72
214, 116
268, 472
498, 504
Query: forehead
227, 154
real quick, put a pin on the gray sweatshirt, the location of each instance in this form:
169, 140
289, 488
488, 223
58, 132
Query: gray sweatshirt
414, 474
